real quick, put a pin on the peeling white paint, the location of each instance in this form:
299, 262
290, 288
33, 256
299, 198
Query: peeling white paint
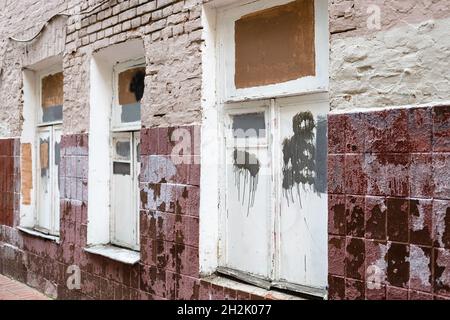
419, 265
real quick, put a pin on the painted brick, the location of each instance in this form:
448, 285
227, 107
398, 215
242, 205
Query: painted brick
421, 222
397, 219
355, 216
355, 259
387, 131
337, 221
336, 174
355, 177
375, 216
398, 265
421, 176
336, 134
336, 256
441, 172
420, 129
441, 129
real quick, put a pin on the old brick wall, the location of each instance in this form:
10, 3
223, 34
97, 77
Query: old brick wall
388, 53
389, 208
169, 218
388, 169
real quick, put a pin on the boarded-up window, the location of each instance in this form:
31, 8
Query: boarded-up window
275, 45
52, 97
131, 90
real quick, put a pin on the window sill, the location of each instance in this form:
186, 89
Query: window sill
122, 255
38, 234
247, 288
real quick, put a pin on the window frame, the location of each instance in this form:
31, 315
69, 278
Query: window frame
134, 138
55, 210
40, 76
270, 99
273, 113
227, 91
132, 130
118, 68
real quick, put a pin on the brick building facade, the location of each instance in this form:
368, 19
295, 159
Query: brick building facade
388, 150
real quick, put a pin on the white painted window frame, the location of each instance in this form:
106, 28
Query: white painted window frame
227, 91
134, 138
55, 213
132, 130
41, 75
103, 94
231, 101
52, 126
116, 125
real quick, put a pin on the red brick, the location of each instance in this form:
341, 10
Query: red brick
441, 129
420, 268
416, 295
355, 175
205, 290
355, 216
394, 293
442, 272
375, 213
398, 265
336, 133
336, 174
421, 222
355, 258
441, 171
441, 223
355, 132
387, 131
336, 290
354, 290
375, 293
153, 280
397, 219
376, 262
387, 174
336, 256
420, 129
421, 176
336, 215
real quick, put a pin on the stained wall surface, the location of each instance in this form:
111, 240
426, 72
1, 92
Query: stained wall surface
387, 175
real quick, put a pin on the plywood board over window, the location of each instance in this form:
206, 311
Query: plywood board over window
275, 45
52, 97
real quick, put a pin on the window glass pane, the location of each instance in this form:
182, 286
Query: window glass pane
52, 97
249, 125
44, 180
275, 45
131, 90
122, 148
122, 168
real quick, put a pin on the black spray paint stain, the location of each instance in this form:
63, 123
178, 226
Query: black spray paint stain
247, 166
137, 85
299, 156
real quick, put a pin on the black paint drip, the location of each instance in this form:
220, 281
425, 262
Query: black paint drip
246, 165
299, 154
137, 85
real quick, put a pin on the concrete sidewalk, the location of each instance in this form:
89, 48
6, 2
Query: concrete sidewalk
14, 290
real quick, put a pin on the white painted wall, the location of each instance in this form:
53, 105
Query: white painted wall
99, 151
209, 191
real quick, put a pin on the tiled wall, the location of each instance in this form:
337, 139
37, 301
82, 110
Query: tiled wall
9, 180
389, 204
